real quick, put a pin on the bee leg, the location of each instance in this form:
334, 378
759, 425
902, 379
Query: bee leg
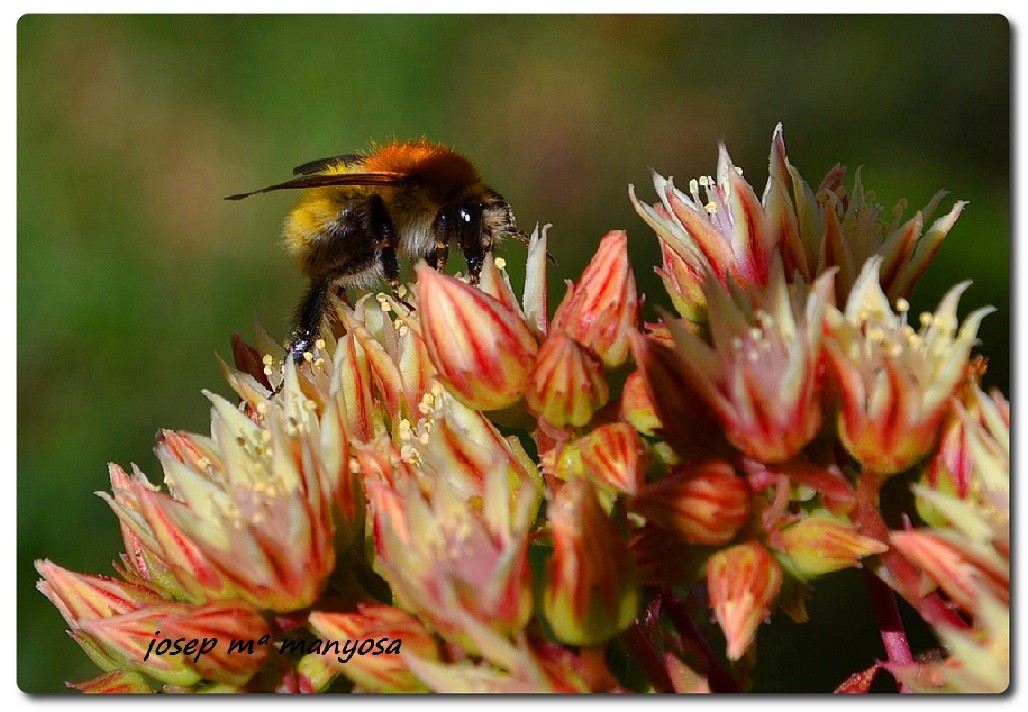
385, 241
471, 238
441, 229
309, 316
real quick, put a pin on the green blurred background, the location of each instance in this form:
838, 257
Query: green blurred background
132, 270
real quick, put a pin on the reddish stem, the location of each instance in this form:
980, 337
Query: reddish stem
717, 676
647, 657
903, 574
890, 625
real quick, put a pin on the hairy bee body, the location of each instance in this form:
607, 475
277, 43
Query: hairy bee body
360, 211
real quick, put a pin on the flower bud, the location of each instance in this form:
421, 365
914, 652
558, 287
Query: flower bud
819, 545
378, 671
611, 456
707, 503
742, 582
567, 385
637, 406
590, 593
143, 641
601, 310
964, 573
119, 682
80, 597
481, 348
226, 622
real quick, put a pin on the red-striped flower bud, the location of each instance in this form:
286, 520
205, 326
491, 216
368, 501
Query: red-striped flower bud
818, 545
611, 455
591, 593
567, 385
381, 668
637, 406
707, 503
601, 310
742, 582
481, 347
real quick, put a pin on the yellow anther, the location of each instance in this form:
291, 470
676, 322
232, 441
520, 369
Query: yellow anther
409, 455
320, 344
268, 359
500, 263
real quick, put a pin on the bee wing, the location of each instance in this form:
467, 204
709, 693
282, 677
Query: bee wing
305, 169
317, 180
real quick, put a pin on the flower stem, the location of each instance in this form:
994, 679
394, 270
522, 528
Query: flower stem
904, 575
717, 676
647, 657
890, 625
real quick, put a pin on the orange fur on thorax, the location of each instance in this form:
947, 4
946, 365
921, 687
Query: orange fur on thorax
441, 170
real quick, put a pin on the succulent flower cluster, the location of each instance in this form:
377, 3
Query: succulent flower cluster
504, 501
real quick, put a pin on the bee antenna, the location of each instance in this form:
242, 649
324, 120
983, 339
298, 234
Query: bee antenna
522, 237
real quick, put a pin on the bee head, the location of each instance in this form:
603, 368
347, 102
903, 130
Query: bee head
497, 218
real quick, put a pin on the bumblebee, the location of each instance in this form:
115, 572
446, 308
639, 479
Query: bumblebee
362, 211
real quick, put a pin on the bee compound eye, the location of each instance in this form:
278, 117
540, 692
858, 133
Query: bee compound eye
464, 214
